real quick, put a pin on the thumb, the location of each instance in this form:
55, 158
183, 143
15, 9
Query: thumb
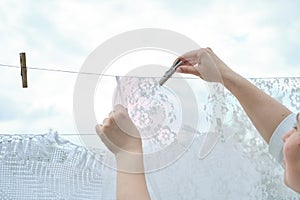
188, 69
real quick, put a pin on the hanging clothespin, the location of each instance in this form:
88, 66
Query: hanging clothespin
23, 69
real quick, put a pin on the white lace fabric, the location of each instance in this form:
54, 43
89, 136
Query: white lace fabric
238, 167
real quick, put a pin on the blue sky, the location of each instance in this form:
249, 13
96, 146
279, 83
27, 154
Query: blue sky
255, 38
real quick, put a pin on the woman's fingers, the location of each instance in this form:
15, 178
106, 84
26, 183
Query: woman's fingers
187, 69
99, 129
101, 133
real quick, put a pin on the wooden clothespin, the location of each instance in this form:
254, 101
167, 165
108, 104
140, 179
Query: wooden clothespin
23, 69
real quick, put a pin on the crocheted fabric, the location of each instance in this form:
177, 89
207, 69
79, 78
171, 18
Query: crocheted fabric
237, 166
48, 167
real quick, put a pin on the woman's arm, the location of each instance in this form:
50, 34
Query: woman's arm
131, 185
265, 112
122, 138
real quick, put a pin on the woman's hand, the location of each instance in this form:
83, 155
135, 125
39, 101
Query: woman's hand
119, 133
205, 64
121, 137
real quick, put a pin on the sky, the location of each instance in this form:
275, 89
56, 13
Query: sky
255, 38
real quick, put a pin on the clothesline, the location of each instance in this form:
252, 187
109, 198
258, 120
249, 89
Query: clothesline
108, 75
85, 73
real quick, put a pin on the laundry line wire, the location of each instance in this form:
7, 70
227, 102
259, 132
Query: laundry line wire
55, 70
84, 73
113, 75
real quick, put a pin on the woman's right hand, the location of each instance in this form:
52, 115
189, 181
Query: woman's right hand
205, 64
119, 133
122, 138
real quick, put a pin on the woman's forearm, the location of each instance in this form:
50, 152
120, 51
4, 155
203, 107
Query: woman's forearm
265, 112
131, 186
131, 180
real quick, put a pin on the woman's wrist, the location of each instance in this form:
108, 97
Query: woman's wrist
230, 78
130, 162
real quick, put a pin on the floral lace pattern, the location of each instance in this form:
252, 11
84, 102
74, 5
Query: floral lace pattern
238, 167
152, 108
